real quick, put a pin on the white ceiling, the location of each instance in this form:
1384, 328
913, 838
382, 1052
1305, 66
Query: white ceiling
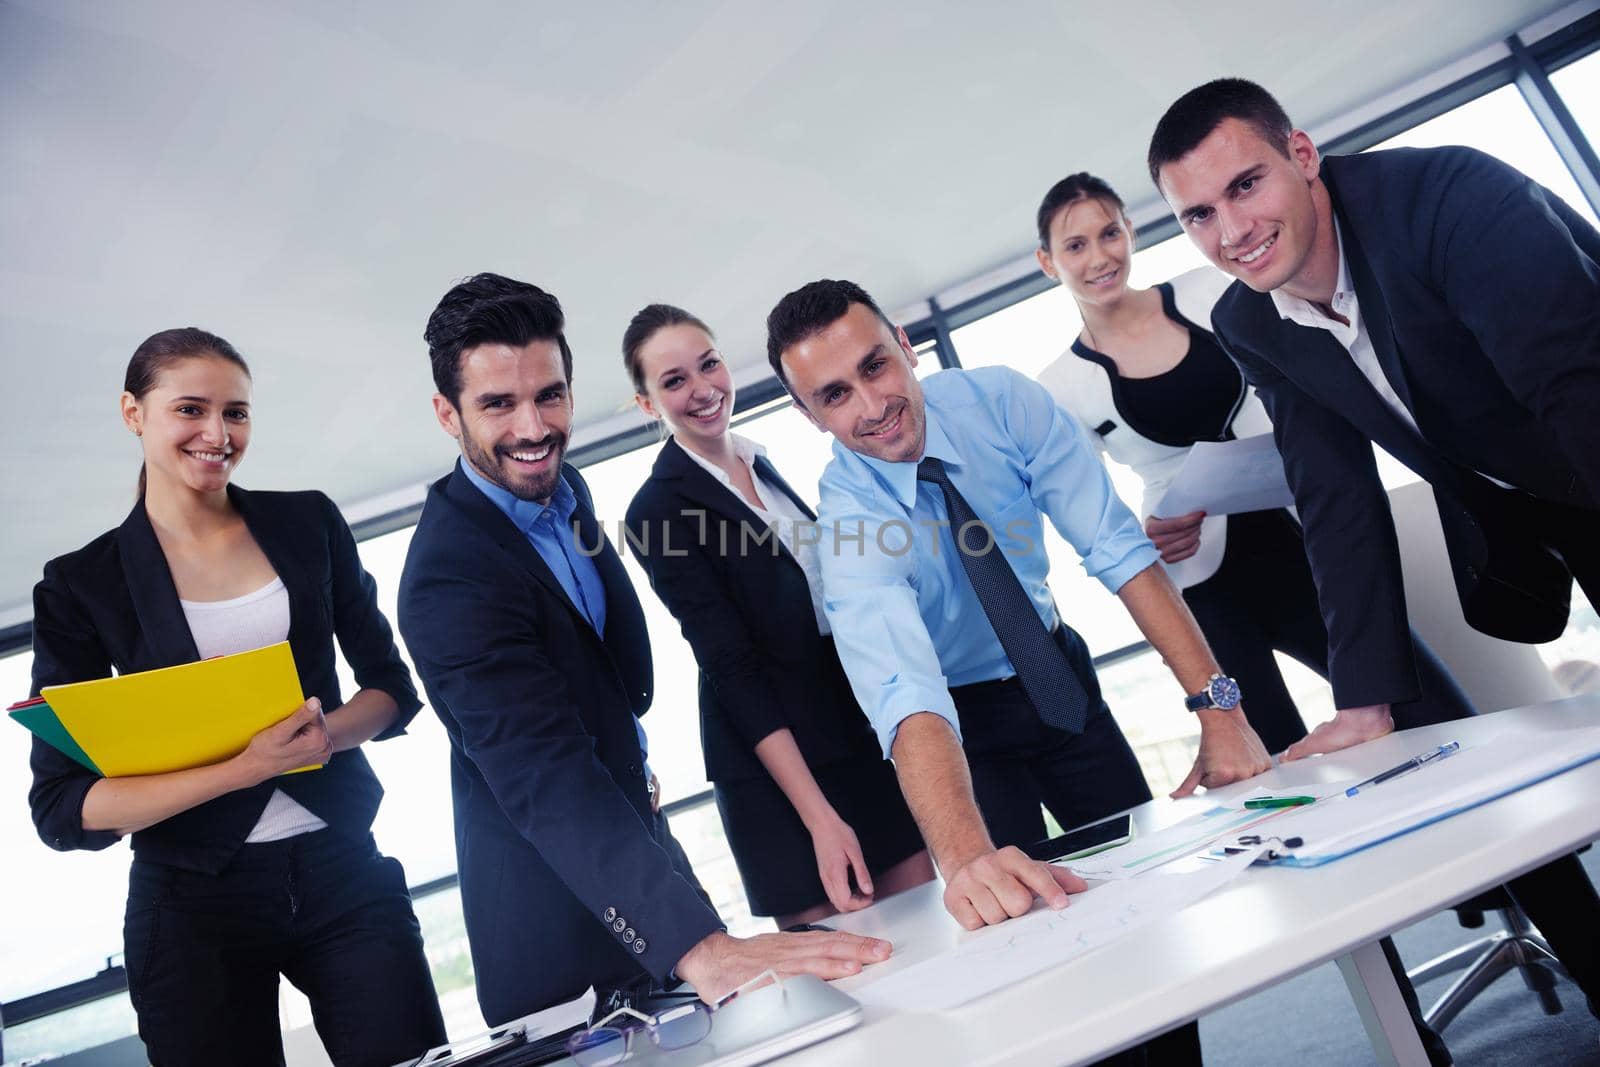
307, 178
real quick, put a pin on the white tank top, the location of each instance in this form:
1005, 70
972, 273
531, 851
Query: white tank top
255, 620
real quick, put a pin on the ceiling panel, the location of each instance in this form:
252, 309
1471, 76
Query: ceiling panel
307, 179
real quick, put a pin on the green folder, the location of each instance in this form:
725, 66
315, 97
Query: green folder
45, 726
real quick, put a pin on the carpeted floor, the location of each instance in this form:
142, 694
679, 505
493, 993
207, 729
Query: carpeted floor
1310, 1021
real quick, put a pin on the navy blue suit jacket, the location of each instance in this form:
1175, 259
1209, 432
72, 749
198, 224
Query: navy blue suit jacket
112, 604
1481, 292
745, 609
567, 879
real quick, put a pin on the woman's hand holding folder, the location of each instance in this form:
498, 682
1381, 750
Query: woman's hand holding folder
128, 804
300, 740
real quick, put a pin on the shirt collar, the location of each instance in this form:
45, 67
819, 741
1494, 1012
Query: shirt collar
524, 514
901, 478
1295, 309
746, 449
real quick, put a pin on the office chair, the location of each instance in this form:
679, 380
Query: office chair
1518, 947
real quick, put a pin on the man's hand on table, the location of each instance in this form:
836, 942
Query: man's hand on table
1001, 884
1230, 752
720, 962
1349, 726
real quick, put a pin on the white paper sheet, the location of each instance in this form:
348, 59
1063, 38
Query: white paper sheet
998, 956
1228, 477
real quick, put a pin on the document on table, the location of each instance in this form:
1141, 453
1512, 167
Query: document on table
1228, 477
998, 956
1149, 851
1340, 825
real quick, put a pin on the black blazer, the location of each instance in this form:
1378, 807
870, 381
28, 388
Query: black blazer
566, 877
1480, 290
112, 604
747, 614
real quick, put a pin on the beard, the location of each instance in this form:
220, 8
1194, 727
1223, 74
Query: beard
495, 465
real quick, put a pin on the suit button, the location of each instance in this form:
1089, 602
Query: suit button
638, 947
619, 924
633, 769
628, 935
611, 913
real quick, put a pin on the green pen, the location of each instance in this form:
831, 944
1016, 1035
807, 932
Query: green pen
1279, 802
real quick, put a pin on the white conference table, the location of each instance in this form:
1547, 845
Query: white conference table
1267, 925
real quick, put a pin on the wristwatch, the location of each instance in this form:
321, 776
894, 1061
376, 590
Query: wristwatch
1220, 692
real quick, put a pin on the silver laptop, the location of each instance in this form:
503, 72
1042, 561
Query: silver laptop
759, 1026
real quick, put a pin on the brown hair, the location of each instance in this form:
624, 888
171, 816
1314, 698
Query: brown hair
1070, 190
161, 350
651, 318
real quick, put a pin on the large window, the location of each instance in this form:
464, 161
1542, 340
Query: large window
1579, 86
70, 905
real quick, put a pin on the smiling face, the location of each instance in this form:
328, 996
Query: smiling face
514, 415
1256, 214
1090, 249
686, 384
194, 423
854, 378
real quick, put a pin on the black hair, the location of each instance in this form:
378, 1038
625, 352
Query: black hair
161, 350
1197, 112
809, 310
490, 309
650, 318
1069, 190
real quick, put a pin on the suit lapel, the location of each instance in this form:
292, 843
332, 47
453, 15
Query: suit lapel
627, 639
155, 598
1369, 297
499, 526
698, 486
770, 474
297, 572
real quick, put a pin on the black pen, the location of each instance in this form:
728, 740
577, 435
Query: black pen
1409, 765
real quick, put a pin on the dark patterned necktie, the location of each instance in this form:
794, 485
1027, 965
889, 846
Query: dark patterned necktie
1043, 669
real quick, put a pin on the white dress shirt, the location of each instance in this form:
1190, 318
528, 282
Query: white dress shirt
780, 513
1354, 337
255, 620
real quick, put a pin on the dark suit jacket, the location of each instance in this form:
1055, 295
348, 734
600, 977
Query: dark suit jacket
566, 878
112, 604
1481, 292
746, 611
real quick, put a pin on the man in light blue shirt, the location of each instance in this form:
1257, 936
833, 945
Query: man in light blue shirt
910, 625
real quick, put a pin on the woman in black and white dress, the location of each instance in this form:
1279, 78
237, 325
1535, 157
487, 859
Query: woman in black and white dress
812, 810
1148, 380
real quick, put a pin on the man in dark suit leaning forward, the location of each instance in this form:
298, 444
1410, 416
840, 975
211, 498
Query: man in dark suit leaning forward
1443, 305
534, 653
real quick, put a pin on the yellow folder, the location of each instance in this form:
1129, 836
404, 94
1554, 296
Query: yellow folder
179, 717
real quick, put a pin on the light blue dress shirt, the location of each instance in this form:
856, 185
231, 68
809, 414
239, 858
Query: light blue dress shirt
548, 528
905, 619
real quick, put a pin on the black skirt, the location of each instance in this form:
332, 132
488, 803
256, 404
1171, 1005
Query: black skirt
772, 847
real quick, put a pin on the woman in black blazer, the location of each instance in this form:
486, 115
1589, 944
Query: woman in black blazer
806, 797
239, 875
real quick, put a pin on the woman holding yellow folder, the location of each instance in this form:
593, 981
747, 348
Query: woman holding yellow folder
240, 873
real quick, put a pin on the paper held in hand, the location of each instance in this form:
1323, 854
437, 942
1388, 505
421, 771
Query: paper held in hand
1227, 478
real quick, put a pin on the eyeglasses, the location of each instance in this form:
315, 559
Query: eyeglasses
678, 1027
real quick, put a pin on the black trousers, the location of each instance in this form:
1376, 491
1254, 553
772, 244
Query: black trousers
204, 952
1263, 598
1018, 764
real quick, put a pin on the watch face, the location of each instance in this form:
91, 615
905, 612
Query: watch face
1224, 692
